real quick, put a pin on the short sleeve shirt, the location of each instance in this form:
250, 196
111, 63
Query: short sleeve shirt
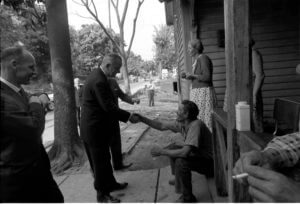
198, 136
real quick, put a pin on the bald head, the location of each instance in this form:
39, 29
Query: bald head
17, 65
111, 64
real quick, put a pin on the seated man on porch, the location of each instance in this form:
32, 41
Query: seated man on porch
266, 184
193, 154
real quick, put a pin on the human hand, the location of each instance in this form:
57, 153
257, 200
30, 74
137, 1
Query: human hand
269, 186
44, 99
136, 100
134, 118
156, 151
190, 76
254, 157
34, 99
183, 75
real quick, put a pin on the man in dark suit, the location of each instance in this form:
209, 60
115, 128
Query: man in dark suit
99, 117
25, 174
116, 144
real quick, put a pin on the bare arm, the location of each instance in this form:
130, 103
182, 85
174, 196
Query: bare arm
159, 124
182, 152
257, 68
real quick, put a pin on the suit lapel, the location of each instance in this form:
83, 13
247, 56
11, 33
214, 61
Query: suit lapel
12, 93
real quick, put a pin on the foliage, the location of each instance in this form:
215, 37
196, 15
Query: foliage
89, 45
24, 22
165, 47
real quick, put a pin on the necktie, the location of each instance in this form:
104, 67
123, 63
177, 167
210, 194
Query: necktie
23, 94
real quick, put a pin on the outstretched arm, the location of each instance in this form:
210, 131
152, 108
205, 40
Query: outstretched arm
159, 124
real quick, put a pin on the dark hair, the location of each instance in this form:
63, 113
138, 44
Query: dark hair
191, 108
197, 44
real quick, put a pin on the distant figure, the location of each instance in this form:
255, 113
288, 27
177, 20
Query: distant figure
77, 100
116, 145
193, 154
151, 93
25, 175
202, 92
256, 62
99, 121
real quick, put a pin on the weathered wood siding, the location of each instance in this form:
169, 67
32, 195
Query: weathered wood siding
275, 28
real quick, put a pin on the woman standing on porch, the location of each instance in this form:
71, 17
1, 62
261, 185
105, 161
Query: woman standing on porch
202, 92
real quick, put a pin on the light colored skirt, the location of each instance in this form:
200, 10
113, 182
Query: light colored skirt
206, 100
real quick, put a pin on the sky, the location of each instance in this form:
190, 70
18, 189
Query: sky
152, 13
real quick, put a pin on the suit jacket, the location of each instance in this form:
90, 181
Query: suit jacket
100, 113
118, 93
21, 148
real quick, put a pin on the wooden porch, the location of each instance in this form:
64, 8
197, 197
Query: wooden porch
225, 28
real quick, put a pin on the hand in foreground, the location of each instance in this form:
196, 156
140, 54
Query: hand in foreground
34, 99
136, 100
156, 151
183, 75
269, 186
254, 157
134, 118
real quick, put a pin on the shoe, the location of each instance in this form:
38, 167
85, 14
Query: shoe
107, 199
119, 186
123, 166
172, 182
182, 199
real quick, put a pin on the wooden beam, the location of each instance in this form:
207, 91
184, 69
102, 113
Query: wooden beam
186, 13
236, 16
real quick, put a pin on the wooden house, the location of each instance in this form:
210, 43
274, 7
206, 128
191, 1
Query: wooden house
225, 27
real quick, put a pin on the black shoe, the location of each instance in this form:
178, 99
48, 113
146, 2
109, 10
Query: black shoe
123, 166
107, 199
191, 199
119, 186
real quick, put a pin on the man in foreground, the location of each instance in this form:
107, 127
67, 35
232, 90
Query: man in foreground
99, 117
24, 165
193, 154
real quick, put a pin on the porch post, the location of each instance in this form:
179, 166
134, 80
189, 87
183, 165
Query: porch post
236, 16
185, 9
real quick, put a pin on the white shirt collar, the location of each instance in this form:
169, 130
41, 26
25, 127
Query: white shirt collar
13, 87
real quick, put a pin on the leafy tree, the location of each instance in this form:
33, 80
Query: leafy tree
67, 149
121, 16
165, 56
91, 45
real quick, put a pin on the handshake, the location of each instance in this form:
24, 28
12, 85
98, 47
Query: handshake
41, 99
135, 118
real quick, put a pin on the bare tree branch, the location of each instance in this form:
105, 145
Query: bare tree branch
76, 2
117, 12
124, 12
95, 9
134, 25
90, 18
95, 18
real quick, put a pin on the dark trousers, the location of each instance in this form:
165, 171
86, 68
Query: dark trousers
33, 185
78, 115
151, 97
116, 148
99, 158
182, 169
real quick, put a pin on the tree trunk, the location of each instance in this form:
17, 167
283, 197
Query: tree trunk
125, 76
67, 149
